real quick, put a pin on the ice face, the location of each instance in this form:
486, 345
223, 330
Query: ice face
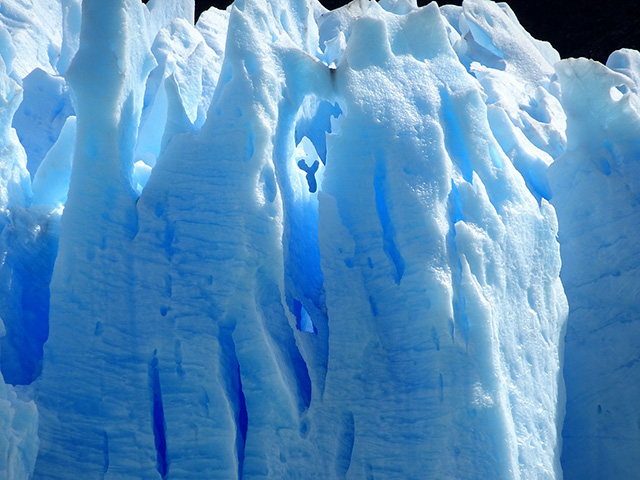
292, 242
332, 242
595, 185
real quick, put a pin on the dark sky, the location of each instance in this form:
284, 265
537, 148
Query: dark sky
576, 28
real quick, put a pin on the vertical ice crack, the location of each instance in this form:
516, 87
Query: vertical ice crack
459, 302
235, 394
345, 445
105, 453
159, 425
388, 228
243, 422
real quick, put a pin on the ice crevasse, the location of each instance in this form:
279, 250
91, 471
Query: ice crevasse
381, 241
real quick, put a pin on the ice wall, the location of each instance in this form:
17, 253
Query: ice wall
294, 243
595, 187
338, 270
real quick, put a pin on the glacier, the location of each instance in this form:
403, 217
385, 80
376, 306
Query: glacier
381, 241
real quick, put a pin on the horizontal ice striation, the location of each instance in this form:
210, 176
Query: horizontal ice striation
595, 192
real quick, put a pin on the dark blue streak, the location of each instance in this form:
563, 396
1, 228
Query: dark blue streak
159, 425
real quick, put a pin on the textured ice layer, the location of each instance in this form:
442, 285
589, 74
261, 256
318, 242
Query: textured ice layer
596, 193
295, 243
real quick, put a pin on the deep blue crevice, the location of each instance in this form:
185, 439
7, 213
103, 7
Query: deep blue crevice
316, 125
105, 452
243, 419
269, 305
345, 445
289, 350
303, 274
388, 229
374, 307
302, 261
250, 146
169, 235
159, 425
235, 394
24, 306
455, 204
459, 302
435, 337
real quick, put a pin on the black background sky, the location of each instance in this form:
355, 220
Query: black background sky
575, 28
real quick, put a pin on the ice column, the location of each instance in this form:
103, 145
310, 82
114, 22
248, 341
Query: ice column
94, 417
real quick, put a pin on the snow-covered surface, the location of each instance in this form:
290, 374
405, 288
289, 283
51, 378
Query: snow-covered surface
299, 243
35, 29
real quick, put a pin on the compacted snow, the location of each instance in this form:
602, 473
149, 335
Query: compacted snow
287, 242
